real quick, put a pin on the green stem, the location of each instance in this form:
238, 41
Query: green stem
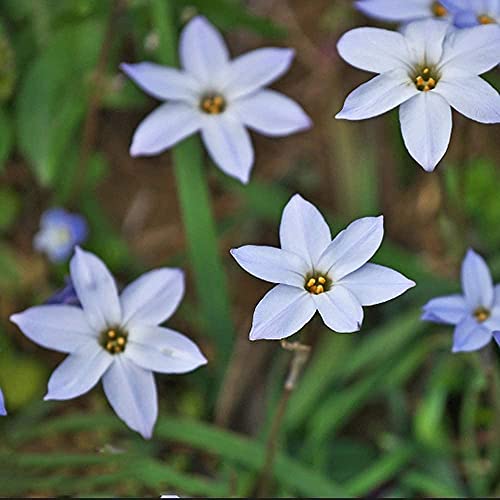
198, 218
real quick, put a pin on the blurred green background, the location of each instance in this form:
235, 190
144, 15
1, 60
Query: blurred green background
388, 411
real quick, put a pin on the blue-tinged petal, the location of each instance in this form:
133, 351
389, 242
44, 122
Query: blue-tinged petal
256, 69
271, 113
153, 297
203, 52
473, 50
426, 127
163, 350
131, 391
373, 284
379, 95
167, 125
79, 372
450, 309
374, 49
229, 145
340, 309
3, 411
96, 289
272, 264
396, 10
469, 335
352, 247
283, 311
425, 40
62, 328
477, 282
473, 97
162, 82
303, 230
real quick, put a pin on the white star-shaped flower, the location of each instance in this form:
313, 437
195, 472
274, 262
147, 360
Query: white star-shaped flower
315, 273
115, 337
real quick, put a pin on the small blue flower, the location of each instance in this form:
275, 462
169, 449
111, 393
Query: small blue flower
3, 411
468, 13
60, 231
476, 313
403, 11
114, 337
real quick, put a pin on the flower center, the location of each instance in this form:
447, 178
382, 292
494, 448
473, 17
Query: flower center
482, 314
485, 19
213, 104
114, 340
317, 283
438, 9
425, 80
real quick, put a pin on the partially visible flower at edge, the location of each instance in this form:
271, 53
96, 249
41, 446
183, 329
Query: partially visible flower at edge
426, 70
467, 13
402, 11
314, 273
60, 231
114, 337
475, 313
217, 97
3, 411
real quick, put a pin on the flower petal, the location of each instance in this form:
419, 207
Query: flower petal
229, 145
202, 50
165, 126
373, 284
79, 372
473, 97
395, 10
162, 82
474, 50
272, 264
469, 336
425, 40
377, 96
450, 309
96, 290
340, 309
352, 247
271, 113
374, 49
283, 311
255, 69
3, 411
131, 391
426, 127
303, 230
62, 328
152, 298
163, 350
477, 282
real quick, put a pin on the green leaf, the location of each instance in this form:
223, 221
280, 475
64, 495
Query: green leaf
6, 137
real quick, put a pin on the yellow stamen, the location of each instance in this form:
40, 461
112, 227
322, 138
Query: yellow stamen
319, 289
317, 284
439, 10
111, 334
311, 283
481, 314
485, 19
213, 104
120, 341
322, 280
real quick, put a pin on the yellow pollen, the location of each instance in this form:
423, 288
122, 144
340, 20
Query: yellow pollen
213, 104
113, 340
485, 19
319, 289
311, 283
111, 334
424, 81
120, 341
439, 10
317, 284
322, 280
481, 314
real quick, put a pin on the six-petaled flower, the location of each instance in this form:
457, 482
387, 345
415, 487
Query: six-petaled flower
426, 70
314, 273
216, 96
475, 313
115, 337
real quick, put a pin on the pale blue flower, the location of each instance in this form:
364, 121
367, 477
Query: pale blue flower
217, 97
60, 231
426, 70
314, 273
115, 337
467, 13
3, 411
475, 313
402, 11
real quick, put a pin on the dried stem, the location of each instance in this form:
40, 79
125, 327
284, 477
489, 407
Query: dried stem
301, 354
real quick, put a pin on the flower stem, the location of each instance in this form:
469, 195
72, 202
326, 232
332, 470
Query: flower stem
301, 354
198, 218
